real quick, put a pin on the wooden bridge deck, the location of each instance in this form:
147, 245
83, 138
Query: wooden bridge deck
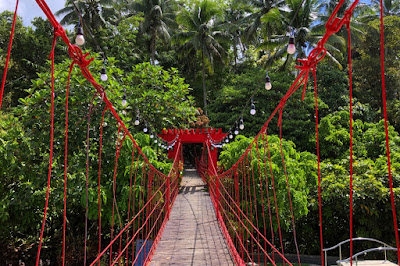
192, 235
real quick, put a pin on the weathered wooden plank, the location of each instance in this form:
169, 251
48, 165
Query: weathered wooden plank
192, 235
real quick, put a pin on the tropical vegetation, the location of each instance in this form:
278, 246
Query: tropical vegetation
168, 58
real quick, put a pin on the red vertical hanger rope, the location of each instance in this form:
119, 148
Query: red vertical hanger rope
395, 226
289, 195
134, 204
87, 180
274, 192
99, 199
351, 140
66, 162
318, 160
262, 196
129, 202
115, 206
3, 82
51, 150
268, 201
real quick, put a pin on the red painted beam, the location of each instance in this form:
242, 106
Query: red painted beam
193, 136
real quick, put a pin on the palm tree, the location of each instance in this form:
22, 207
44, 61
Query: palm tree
264, 10
93, 12
302, 15
200, 34
158, 17
337, 43
390, 7
234, 15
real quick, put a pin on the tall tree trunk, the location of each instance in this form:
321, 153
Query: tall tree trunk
235, 43
153, 48
204, 83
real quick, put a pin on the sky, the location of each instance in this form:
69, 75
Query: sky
28, 9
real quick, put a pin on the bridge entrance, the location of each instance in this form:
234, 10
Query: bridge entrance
207, 137
192, 235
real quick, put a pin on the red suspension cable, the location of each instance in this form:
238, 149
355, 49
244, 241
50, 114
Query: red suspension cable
396, 231
3, 82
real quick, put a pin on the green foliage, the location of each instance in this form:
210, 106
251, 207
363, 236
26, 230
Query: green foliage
203, 34
300, 166
368, 138
298, 118
25, 137
30, 50
371, 197
367, 80
161, 96
125, 32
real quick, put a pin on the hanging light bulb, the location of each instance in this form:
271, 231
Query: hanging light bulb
226, 140
137, 121
103, 74
145, 129
155, 140
151, 135
159, 144
253, 108
124, 102
230, 135
268, 84
241, 125
79, 40
291, 47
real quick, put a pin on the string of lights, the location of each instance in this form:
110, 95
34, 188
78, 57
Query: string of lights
80, 40
238, 124
291, 49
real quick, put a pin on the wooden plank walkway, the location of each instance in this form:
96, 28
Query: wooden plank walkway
192, 235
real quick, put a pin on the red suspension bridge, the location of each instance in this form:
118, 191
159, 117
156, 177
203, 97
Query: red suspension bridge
245, 223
